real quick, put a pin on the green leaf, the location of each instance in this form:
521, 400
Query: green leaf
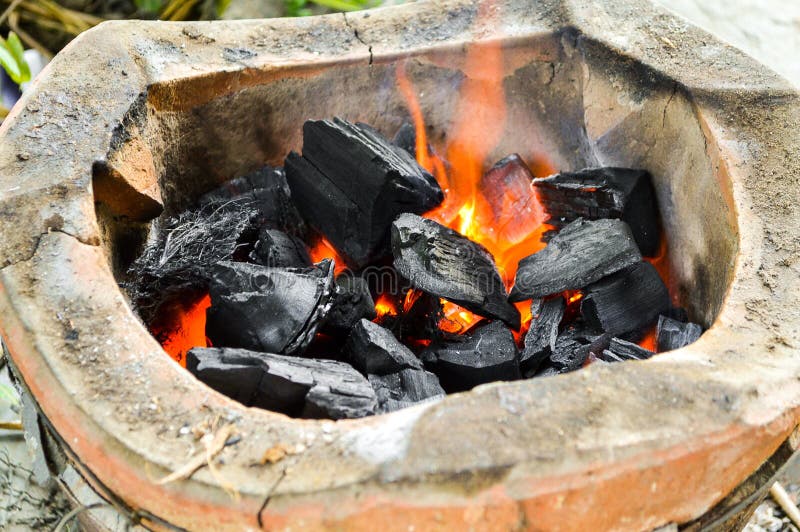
8, 63
148, 6
16, 49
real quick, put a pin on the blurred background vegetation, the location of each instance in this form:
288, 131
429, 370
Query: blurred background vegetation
48, 25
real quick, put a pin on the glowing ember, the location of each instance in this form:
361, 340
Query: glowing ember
186, 330
324, 250
384, 306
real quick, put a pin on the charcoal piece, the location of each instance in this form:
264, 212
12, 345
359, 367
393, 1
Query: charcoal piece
626, 303
542, 333
441, 262
546, 370
507, 187
277, 249
421, 316
672, 334
351, 183
569, 353
352, 301
620, 350
406, 138
372, 349
582, 253
488, 354
405, 388
597, 193
264, 190
294, 386
178, 260
276, 310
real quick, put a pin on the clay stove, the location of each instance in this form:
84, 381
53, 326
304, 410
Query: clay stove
133, 120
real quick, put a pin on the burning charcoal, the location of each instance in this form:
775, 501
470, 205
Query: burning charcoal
541, 337
421, 316
264, 190
406, 138
489, 354
299, 387
276, 310
620, 350
371, 349
605, 193
352, 301
672, 334
443, 263
515, 208
626, 303
404, 388
569, 353
277, 249
178, 261
582, 253
351, 183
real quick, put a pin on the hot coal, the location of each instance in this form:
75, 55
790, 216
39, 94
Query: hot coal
352, 301
264, 190
620, 350
573, 346
597, 193
275, 310
626, 303
443, 263
406, 138
421, 318
540, 340
405, 388
178, 261
507, 187
351, 183
299, 387
280, 250
372, 349
582, 253
488, 354
672, 334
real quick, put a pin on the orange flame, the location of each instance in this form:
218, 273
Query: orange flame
384, 306
480, 120
186, 330
325, 250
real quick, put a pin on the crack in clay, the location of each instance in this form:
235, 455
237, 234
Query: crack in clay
358, 37
35, 250
268, 498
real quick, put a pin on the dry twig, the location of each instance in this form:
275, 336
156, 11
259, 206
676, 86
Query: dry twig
788, 506
214, 444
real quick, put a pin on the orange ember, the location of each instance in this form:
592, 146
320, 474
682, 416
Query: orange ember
186, 330
324, 250
384, 306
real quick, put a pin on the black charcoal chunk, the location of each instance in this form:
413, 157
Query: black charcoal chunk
264, 190
569, 353
277, 249
626, 303
352, 301
372, 349
406, 138
597, 193
488, 354
582, 253
276, 310
299, 387
620, 350
405, 388
508, 189
443, 263
179, 260
540, 340
351, 183
672, 334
